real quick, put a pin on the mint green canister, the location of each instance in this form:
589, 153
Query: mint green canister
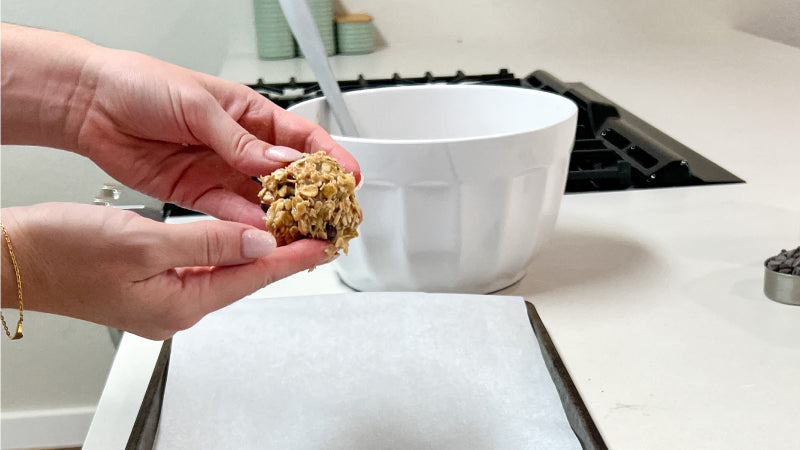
322, 12
274, 38
355, 34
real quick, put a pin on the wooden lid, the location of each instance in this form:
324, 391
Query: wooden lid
353, 18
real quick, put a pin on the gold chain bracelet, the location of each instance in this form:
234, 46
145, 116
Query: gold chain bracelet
18, 333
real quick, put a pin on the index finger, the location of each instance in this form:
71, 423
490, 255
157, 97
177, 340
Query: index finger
272, 124
298, 133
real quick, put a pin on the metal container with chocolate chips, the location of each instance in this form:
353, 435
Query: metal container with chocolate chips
782, 277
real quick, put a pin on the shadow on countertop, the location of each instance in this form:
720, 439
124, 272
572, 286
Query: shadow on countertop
579, 256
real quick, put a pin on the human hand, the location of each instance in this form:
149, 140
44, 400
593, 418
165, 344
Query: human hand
116, 268
189, 138
177, 135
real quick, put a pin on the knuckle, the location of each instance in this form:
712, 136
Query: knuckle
196, 101
193, 106
211, 245
242, 145
139, 248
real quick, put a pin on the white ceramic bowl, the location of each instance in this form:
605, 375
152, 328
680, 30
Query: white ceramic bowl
462, 183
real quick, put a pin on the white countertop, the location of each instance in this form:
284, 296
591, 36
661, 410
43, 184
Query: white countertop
652, 297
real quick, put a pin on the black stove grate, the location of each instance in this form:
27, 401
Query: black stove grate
614, 149
287, 94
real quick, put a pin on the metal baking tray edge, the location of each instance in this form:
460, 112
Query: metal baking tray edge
145, 427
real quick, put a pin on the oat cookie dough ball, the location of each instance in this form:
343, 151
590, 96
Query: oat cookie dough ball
312, 197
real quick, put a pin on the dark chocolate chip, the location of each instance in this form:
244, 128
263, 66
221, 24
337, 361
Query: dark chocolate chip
787, 261
330, 231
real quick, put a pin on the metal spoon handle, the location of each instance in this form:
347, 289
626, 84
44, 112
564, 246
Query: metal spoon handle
305, 31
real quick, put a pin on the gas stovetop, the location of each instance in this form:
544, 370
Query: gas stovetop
613, 149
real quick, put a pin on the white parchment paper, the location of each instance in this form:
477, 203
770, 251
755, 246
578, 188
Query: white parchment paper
363, 371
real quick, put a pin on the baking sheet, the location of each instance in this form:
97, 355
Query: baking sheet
363, 370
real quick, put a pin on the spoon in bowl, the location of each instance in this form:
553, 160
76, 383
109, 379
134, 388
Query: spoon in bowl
305, 30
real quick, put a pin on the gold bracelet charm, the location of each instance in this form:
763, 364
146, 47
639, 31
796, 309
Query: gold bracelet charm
18, 333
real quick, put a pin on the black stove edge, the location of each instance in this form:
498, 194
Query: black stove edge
575, 409
620, 150
607, 119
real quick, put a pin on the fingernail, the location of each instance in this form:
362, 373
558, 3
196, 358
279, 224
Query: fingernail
257, 243
283, 154
360, 182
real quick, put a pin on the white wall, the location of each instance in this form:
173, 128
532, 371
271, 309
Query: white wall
777, 20
52, 379
61, 364
189, 33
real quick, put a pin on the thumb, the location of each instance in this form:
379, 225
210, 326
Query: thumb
214, 243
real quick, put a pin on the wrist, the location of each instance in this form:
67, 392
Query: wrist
47, 86
9, 279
